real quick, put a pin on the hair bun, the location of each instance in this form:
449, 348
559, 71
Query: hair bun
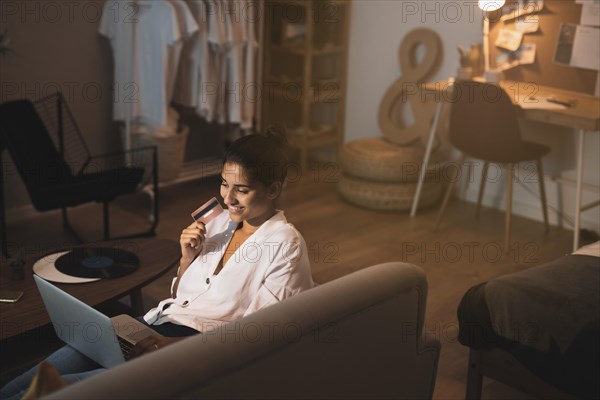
277, 134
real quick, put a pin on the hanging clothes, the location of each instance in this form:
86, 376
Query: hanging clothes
188, 28
250, 91
141, 34
194, 70
196, 53
233, 46
234, 65
212, 106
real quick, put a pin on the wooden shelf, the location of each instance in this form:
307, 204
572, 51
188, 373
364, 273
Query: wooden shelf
312, 139
302, 50
309, 54
321, 91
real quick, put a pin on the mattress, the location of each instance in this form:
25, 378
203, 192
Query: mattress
548, 317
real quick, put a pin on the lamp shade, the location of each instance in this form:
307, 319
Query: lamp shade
490, 5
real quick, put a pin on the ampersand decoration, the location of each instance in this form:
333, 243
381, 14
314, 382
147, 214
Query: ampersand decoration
405, 91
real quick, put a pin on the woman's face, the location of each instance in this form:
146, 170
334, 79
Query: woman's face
246, 200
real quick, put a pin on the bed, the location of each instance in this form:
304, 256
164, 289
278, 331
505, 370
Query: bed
537, 330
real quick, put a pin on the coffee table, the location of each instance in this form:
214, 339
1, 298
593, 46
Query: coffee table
156, 256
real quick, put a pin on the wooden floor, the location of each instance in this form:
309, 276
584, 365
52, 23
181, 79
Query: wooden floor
343, 238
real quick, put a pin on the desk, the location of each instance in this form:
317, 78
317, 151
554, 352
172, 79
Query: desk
157, 256
583, 117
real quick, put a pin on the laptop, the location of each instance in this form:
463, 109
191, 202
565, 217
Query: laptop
105, 340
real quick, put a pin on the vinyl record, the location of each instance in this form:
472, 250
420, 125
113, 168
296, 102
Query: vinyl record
45, 268
97, 262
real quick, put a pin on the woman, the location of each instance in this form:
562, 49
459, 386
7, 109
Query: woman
245, 259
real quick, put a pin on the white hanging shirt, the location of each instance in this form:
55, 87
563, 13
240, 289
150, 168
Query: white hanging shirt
194, 61
212, 106
217, 28
140, 33
250, 92
270, 266
234, 67
232, 91
187, 28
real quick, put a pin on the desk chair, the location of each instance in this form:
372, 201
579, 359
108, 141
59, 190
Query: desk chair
484, 124
57, 168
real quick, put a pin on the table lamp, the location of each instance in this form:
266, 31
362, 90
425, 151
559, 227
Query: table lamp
487, 6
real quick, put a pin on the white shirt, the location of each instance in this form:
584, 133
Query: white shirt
250, 93
141, 34
212, 94
270, 266
234, 62
187, 28
194, 65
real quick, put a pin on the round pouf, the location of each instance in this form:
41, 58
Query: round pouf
377, 159
385, 195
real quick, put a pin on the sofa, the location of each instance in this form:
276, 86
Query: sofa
359, 336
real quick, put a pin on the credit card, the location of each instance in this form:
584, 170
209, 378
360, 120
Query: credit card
208, 211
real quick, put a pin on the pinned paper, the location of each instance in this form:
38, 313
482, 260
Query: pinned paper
509, 39
529, 24
578, 46
510, 59
590, 14
523, 8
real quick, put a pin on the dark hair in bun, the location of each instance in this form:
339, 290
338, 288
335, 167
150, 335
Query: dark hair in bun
277, 134
263, 156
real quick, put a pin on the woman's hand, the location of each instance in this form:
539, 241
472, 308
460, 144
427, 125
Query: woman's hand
191, 242
152, 343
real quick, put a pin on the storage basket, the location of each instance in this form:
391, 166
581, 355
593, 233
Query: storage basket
170, 149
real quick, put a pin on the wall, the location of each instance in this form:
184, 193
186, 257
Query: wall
376, 31
377, 28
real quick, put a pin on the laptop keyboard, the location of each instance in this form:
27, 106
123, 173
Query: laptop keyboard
125, 347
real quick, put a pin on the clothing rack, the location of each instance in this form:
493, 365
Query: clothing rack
197, 168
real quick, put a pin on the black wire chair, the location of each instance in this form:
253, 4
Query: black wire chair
58, 169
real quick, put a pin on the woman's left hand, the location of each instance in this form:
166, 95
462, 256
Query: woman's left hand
152, 343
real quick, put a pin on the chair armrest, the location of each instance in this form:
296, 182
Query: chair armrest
142, 157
